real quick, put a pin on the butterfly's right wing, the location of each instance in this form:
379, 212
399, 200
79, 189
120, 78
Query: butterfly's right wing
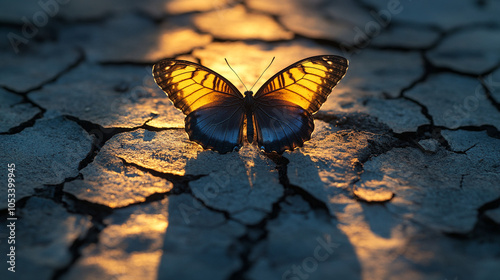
214, 107
285, 103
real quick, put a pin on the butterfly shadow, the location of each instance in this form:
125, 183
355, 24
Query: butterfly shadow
243, 213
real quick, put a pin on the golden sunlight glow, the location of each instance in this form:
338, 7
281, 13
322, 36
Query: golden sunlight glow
237, 23
134, 265
138, 265
176, 40
367, 244
139, 223
250, 165
373, 191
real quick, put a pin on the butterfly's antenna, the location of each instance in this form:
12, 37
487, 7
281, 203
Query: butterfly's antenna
235, 74
262, 73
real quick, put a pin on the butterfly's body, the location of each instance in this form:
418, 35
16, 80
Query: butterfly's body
249, 107
278, 116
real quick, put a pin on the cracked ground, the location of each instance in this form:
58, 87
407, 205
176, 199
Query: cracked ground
399, 181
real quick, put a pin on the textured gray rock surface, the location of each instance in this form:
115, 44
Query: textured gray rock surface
122, 97
14, 112
461, 192
472, 51
205, 239
50, 60
244, 184
454, 101
406, 36
107, 173
399, 180
145, 41
130, 246
45, 154
374, 73
445, 15
45, 233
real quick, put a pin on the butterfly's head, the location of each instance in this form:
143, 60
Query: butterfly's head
249, 102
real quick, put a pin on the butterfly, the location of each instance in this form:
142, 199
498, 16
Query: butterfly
278, 116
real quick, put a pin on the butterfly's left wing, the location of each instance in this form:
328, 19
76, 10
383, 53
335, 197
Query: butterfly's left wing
285, 103
213, 105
